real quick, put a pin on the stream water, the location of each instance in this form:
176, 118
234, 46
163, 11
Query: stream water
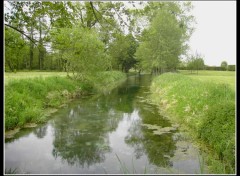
113, 133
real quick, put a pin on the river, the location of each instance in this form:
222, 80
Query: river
113, 133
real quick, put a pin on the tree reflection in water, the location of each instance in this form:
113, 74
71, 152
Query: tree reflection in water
81, 138
41, 131
158, 148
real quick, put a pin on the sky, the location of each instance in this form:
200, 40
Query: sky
215, 32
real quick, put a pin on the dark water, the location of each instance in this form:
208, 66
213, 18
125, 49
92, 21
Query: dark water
104, 134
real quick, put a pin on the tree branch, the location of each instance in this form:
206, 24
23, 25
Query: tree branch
95, 14
34, 42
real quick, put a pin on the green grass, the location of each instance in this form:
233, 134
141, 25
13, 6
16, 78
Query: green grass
105, 81
206, 109
26, 99
10, 76
226, 77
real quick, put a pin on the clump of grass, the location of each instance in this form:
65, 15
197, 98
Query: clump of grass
207, 109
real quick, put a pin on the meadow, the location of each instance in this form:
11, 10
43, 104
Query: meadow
205, 107
227, 77
10, 76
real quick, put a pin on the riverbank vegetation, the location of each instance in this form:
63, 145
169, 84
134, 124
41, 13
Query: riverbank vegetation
206, 109
28, 100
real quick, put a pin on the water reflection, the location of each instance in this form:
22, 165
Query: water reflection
40, 132
87, 142
86, 136
158, 148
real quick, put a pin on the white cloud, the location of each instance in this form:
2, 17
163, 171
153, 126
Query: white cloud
215, 33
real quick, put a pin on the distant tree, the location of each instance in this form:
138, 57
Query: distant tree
182, 65
196, 62
164, 41
122, 51
231, 67
224, 65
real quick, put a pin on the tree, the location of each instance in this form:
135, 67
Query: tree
30, 19
224, 65
122, 51
15, 50
195, 62
80, 50
165, 40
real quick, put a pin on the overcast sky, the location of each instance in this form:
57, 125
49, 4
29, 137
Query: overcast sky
215, 33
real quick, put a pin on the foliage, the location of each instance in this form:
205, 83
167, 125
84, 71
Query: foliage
196, 62
224, 65
106, 81
119, 35
231, 67
15, 50
81, 50
194, 105
122, 51
164, 41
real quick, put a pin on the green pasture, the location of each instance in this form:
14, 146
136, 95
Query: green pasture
8, 76
224, 77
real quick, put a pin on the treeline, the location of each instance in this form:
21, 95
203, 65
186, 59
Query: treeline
206, 67
196, 62
87, 37
215, 68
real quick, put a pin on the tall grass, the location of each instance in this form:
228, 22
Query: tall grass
27, 99
207, 109
106, 81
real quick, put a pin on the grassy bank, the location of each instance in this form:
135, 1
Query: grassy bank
206, 109
27, 100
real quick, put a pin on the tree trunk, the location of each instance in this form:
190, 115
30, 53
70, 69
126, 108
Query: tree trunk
31, 49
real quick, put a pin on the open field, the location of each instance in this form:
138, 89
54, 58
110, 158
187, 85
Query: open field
8, 76
227, 77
